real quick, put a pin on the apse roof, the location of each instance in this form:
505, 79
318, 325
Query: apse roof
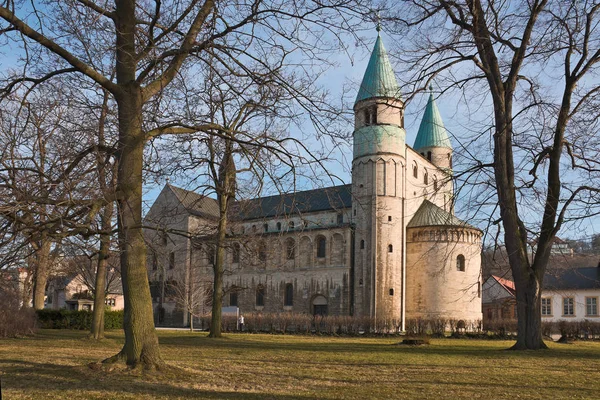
429, 214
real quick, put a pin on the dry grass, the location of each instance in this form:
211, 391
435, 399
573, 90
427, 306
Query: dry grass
53, 365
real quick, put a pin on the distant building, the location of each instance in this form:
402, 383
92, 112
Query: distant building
74, 292
569, 295
386, 246
559, 247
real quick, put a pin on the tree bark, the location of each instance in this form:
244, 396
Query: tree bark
41, 273
141, 341
97, 331
225, 185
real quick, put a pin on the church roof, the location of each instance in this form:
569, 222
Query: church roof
429, 214
432, 132
195, 203
379, 79
335, 197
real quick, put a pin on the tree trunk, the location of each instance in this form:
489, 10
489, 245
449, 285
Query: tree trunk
225, 185
141, 341
97, 331
41, 273
529, 321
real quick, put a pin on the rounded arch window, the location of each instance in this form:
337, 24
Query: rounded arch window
290, 249
321, 247
435, 183
362, 244
260, 295
460, 263
289, 295
415, 171
390, 248
279, 226
262, 251
425, 178
291, 224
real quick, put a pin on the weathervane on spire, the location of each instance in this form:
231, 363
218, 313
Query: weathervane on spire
378, 19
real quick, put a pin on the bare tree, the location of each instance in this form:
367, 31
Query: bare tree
147, 46
513, 52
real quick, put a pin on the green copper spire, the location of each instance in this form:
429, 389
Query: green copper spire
432, 132
379, 79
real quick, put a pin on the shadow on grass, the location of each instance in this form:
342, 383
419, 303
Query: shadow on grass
450, 347
29, 378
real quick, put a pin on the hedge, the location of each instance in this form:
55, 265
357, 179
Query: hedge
82, 320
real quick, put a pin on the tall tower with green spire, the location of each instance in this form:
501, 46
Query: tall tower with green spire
432, 140
377, 186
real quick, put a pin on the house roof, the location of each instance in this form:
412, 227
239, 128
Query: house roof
432, 132
505, 283
429, 214
574, 278
379, 79
336, 197
195, 203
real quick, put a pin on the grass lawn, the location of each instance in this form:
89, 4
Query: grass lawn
53, 365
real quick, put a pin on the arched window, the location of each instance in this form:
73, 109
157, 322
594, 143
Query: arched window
233, 299
291, 225
415, 171
321, 247
260, 296
460, 263
236, 253
435, 184
289, 295
425, 178
262, 251
391, 292
154, 261
266, 227
362, 244
390, 248
290, 249
370, 115
211, 255
340, 219
429, 155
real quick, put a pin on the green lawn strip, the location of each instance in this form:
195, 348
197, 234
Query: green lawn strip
53, 364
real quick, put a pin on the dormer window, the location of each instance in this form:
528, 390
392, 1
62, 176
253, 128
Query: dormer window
370, 114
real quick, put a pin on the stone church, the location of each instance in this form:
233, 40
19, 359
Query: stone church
386, 246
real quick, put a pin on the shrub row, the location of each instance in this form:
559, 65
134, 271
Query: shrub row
82, 320
339, 325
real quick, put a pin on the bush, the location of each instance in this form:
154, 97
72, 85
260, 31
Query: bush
81, 320
15, 320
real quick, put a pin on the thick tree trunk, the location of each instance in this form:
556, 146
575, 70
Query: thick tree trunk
41, 273
141, 341
529, 321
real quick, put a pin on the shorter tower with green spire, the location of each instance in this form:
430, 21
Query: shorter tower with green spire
432, 140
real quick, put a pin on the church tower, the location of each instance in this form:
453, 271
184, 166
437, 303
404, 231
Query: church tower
378, 167
432, 140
